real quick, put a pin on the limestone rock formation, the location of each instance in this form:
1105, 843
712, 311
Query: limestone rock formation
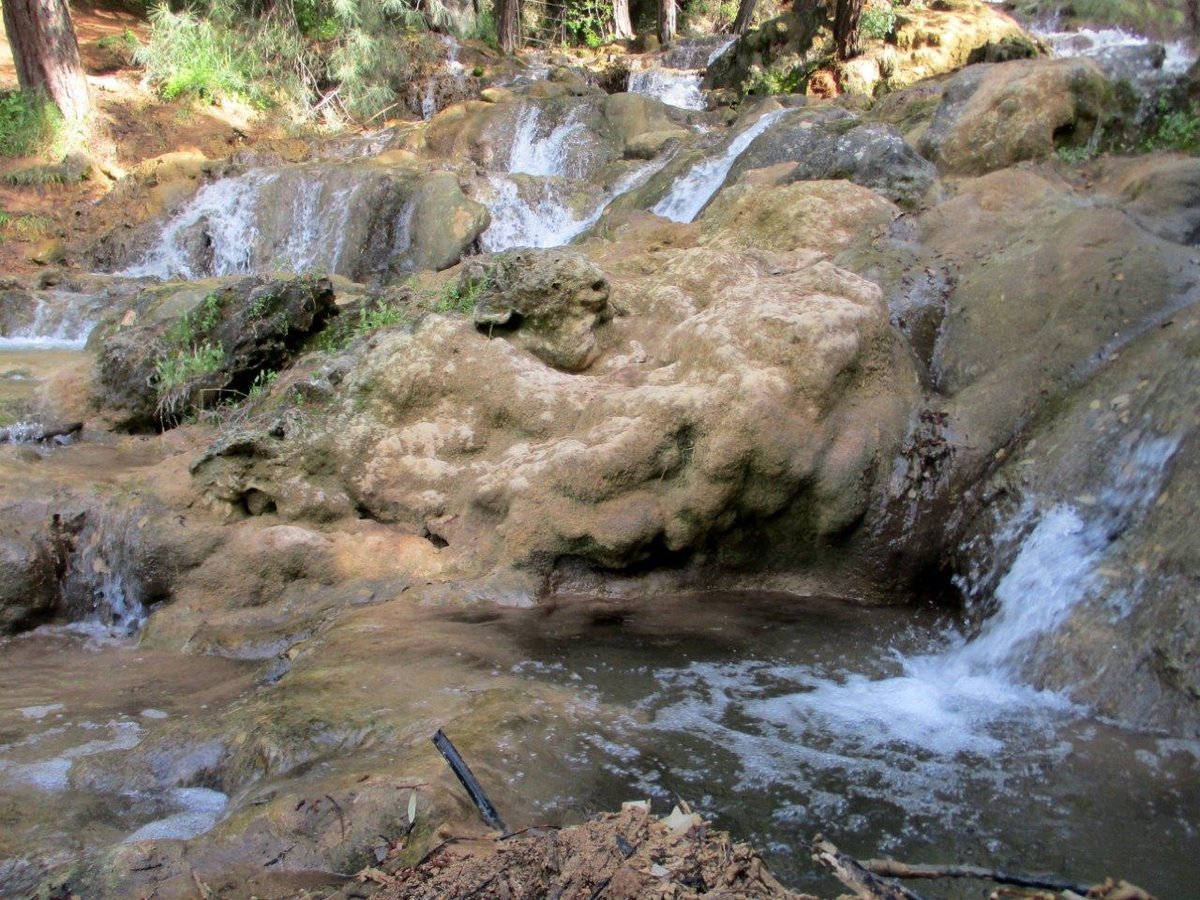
549, 301
993, 116
184, 348
829, 142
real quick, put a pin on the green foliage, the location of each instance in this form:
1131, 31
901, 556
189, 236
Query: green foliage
767, 82
484, 30
371, 317
457, 297
197, 323
199, 57
1074, 156
587, 21
878, 20
1176, 129
261, 385
176, 371
29, 124
24, 226
36, 175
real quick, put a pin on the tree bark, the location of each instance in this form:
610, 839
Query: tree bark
666, 21
508, 23
46, 54
845, 27
622, 25
741, 24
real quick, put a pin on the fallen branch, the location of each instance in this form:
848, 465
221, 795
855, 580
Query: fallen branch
460, 768
893, 869
855, 876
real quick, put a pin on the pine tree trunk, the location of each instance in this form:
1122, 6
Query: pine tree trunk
744, 14
845, 27
508, 15
622, 25
666, 21
46, 54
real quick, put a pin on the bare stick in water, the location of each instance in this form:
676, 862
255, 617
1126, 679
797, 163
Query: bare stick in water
851, 873
460, 768
893, 869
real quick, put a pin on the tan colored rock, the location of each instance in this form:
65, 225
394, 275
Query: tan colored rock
823, 216
736, 389
993, 116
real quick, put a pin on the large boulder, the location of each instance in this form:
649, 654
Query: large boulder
737, 394
992, 116
830, 142
183, 348
547, 301
1163, 196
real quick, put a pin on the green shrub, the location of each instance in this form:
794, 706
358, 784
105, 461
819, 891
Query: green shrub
36, 175
347, 328
200, 57
29, 124
175, 373
1178, 130
878, 21
456, 297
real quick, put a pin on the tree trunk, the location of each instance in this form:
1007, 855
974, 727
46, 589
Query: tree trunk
745, 13
845, 27
666, 21
622, 25
46, 54
508, 22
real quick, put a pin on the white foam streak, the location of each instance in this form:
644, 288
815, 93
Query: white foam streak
691, 193
535, 153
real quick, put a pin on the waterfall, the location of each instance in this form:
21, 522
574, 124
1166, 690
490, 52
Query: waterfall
691, 193
294, 219
530, 212
227, 212
58, 321
677, 82
535, 152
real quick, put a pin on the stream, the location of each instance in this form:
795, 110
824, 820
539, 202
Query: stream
908, 731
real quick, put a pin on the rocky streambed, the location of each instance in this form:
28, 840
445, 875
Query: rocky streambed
826, 467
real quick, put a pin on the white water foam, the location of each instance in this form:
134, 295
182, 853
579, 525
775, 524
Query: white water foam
537, 152
691, 193
59, 323
533, 215
679, 87
968, 698
1097, 42
674, 87
199, 809
226, 209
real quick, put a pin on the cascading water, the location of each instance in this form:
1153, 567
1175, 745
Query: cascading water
899, 740
454, 69
538, 151
294, 219
56, 321
691, 193
529, 212
677, 82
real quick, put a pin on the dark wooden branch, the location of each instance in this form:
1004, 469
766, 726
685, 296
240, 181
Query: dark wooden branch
893, 869
851, 873
460, 768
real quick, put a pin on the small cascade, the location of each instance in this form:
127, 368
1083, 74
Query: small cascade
537, 150
691, 193
530, 212
221, 219
103, 583
454, 71
676, 82
48, 320
296, 219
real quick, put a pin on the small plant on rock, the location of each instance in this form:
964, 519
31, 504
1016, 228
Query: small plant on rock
176, 372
